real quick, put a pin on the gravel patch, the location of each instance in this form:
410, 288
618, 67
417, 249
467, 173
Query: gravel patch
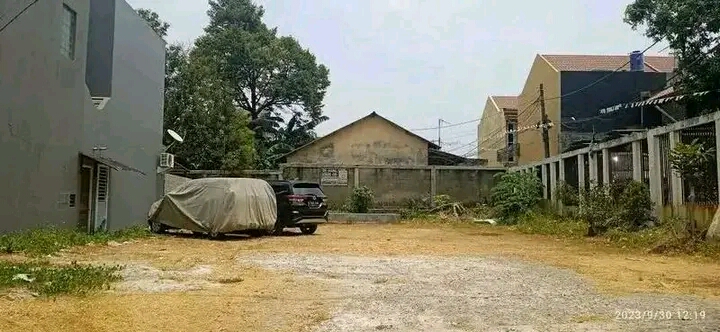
480, 294
147, 279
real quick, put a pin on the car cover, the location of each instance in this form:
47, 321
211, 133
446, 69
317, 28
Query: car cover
218, 205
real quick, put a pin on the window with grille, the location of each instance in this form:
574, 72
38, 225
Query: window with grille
68, 30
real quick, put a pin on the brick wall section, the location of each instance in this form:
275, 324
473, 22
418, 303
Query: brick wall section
394, 186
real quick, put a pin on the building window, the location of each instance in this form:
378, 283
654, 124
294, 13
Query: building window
511, 140
68, 30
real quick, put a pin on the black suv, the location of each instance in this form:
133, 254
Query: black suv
299, 204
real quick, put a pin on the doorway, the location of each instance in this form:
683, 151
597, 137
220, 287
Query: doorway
94, 196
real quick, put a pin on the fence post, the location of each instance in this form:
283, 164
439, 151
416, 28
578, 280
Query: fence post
606, 166
553, 183
433, 185
592, 167
637, 161
581, 172
561, 181
544, 176
356, 177
717, 152
655, 177
676, 183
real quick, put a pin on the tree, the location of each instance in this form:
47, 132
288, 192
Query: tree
270, 77
217, 136
197, 105
692, 28
153, 19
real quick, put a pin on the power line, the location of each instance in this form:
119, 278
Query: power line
448, 126
667, 85
601, 78
17, 15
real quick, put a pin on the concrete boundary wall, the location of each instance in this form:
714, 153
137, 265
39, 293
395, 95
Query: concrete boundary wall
393, 185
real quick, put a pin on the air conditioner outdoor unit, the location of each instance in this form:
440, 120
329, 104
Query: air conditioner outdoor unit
167, 160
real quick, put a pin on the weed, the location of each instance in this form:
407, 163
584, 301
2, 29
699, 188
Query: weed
516, 194
361, 199
550, 225
49, 240
45, 279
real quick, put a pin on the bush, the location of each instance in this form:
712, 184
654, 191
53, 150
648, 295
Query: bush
516, 194
596, 208
567, 194
361, 199
625, 205
635, 206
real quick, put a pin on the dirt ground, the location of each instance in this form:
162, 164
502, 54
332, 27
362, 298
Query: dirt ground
381, 277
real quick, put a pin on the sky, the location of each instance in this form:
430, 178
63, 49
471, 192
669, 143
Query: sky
418, 61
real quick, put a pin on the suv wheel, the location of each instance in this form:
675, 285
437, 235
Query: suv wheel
157, 227
308, 229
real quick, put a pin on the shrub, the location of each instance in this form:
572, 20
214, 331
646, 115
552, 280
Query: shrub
516, 194
596, 208
567, 194
361, 199
635, 206
625, 204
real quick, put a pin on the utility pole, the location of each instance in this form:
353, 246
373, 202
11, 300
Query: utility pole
544, 123
439, 125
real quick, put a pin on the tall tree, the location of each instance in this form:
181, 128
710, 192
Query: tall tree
217, 136
271, 77
692, 27
198, 105
153, 19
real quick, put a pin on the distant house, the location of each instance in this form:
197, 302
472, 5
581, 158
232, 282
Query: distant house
372, 140
575, 88
81, 90
499, 116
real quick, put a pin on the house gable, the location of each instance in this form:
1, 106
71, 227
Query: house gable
371, 140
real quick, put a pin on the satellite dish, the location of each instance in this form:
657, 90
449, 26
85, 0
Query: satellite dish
175, 135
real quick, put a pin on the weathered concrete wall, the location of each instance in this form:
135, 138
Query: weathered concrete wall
371, 141
394, 186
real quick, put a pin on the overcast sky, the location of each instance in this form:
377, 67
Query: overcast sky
415, 61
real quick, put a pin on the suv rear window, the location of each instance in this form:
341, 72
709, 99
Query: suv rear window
307, 189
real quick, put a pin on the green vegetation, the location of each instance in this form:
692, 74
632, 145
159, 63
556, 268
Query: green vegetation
361, 200
619, 214
515, 195
242, 95
48, 280
49, 240
690, 28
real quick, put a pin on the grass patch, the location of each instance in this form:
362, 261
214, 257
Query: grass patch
45, 279
49, 240
551, 225
664, 239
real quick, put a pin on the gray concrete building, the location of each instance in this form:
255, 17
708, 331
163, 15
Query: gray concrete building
81, 101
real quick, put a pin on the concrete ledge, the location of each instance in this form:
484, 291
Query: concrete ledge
342, 217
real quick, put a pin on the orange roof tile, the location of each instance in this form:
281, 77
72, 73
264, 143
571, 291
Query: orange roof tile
570, 62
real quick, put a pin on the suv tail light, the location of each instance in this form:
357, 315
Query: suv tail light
297, 199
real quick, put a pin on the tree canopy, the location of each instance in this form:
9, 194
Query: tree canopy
271, 77
692, 28
153, 19
241, 94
